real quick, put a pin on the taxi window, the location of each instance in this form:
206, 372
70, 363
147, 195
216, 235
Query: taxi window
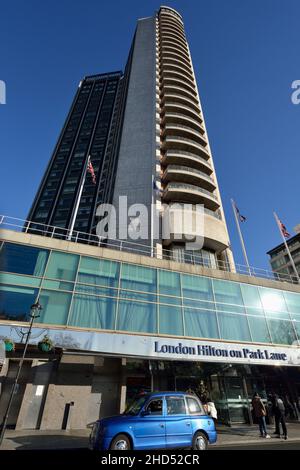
194, 406
176, 406
155, 407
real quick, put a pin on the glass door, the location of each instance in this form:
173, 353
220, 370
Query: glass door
236, 400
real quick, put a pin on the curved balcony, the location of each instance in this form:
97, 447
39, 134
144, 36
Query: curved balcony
215, 234
168, 66
174, 58
171, 24
174, 50
171, 17
171, 35
177, 107
179, 118
185, 174
173, 97
184, 131
169, 30
181, 143
179, 81
166, 73
176, 81
189, 193
170, 42
192, 160
180, 91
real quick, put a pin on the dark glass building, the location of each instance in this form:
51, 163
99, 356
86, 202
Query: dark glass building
90, 129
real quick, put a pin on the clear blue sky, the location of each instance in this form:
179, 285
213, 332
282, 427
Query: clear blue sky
245, 55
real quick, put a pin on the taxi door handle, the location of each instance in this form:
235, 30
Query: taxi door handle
188, 424
162, 425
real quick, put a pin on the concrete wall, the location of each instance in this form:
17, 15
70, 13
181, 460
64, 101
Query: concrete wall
137, 149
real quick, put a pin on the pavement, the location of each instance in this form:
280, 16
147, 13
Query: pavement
245, 435
228, 437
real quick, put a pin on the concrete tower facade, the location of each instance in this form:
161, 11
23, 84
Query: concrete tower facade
164, 135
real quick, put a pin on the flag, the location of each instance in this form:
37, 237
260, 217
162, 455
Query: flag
155, 187
283, 229
91, 171
241, 217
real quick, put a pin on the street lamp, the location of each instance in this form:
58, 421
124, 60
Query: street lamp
34, 313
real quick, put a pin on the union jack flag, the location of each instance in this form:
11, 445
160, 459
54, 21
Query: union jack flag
283, 229
91, 170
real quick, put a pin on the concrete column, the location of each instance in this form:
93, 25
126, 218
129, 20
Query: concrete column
123, 387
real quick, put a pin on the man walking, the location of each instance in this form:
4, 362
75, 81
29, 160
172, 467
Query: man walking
260, 412
279, 414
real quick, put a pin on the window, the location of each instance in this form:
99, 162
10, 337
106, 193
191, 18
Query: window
200, 323
138, 278
169, 287
55, 307
98, 272
252, 299
282, 331
62, 266
155, 407
293, 304
234, 327
259, 329
194, 406
15, 302
137, 316
175, 406
23, 259
227, 292
93, 312
170, 320
199, 289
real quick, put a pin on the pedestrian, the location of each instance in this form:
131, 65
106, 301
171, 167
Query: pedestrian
260, 412
279, 414
211, 410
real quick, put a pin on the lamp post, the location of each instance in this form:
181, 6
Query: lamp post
34, 313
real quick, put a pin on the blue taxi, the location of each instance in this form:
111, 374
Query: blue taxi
161, 420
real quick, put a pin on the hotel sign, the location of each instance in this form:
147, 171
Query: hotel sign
217, 352
166, 348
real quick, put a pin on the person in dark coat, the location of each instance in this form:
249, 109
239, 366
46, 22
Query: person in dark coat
260, 412
278, 409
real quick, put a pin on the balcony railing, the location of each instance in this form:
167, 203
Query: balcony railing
175, 152
169, 115
189, 141
170, 125
189, 257
190, 187
189, 170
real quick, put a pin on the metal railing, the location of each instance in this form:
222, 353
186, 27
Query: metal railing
180, 256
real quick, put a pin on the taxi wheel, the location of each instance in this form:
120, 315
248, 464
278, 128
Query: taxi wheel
120, 442
200, 441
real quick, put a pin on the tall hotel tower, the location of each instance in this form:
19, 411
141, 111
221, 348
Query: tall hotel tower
164, 133
151, 125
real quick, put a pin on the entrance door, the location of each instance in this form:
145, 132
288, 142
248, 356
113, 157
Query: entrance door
237, 404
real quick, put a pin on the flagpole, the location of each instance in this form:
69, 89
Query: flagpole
286, 247
151, 227
241, 236
78, 199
